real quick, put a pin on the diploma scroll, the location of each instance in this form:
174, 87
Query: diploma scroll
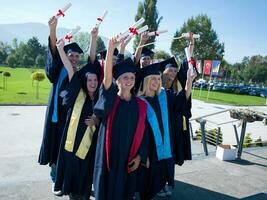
132, 28
100, 19
189, 60
70, 35
61, 12
157, 33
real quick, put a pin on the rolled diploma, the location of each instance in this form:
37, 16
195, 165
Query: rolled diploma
126, 33
188, 57
157, 32
139, 31
186, 35
73, 31
64, 9
102, 18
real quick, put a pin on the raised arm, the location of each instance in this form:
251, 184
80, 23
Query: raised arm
67, 64
52, 23
113, 43
138, 52
123, 45
189, 81
93, 43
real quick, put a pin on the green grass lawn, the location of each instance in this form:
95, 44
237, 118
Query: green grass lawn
21, 91
227, 98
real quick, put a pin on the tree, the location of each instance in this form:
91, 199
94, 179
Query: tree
4, 51
40, 61
6, 75
83, 40
38, 76
100, 45
35, 48
160, 54
207, 47
148, 10
12, 61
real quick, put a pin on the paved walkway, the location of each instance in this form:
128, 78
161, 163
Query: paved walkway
21, 178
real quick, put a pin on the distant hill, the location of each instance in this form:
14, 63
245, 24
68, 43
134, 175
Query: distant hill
25, 31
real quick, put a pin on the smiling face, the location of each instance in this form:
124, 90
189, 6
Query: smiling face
126, 81
154, 83
91, 83
171, 72
74, 58
145, 61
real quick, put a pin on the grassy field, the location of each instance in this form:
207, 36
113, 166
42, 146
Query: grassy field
227, 98
21, 91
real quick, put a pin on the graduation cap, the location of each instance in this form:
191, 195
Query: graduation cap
123, 67
171, 62
72, 47
104, 53
90, 68
153, 69
147, 52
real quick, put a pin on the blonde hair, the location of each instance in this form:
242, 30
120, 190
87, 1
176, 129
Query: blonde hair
145, 88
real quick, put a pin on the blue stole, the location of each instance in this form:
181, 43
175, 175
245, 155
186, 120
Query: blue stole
163, 147
62, 76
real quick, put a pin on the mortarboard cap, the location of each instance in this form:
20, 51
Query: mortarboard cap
123, 67
72, 47
171, 62
103, 53
147, 52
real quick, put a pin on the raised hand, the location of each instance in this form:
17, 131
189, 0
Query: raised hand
144, 37
191, 76
52, 23
94, 32
113, 43
60, 44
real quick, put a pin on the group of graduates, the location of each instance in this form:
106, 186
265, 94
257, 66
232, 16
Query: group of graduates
116, 125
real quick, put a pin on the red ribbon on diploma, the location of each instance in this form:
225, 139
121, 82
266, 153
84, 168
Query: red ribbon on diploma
99, 19
156, 34
192, 61
60, 13
68, 37
133, 31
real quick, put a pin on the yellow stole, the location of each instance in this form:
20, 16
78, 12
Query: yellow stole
184, 124
72, 129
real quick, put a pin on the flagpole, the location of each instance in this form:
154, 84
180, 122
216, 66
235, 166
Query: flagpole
207, 99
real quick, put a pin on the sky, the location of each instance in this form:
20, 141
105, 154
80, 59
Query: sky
240, 24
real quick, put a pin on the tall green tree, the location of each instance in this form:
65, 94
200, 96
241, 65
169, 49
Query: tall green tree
148, 10
160, 54
207, 47
40, 61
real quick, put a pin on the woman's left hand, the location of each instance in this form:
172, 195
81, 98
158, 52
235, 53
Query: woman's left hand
134, 164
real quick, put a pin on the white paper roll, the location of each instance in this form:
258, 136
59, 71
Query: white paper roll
187, 35
100, 19
135, 25
72, 33
188, 57
63, 10
157, 32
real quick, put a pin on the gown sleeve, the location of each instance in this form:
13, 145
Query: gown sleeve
53, 64
70, 94
105, 101
144, 147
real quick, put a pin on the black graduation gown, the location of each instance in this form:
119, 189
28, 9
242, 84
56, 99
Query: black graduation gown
116, 184
153, 179
52, 132
75, 175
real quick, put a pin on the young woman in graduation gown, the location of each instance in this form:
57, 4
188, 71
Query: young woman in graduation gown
122, 143
77, 151
161, 106
55, 114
